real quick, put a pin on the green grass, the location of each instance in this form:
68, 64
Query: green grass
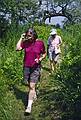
58, 94
45, 108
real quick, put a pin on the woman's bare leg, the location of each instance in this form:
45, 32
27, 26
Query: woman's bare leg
52, 65
31, 95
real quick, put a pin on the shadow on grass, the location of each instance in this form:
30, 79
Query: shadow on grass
21, 95
58, 107
46, 68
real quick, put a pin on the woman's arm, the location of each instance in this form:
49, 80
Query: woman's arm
37, 60
18, 46
42, 57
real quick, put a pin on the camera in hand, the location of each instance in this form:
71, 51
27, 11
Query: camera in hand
28, 38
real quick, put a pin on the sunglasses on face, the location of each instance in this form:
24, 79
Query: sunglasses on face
28, 35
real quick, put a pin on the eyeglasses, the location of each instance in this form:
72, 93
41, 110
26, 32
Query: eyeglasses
29, 35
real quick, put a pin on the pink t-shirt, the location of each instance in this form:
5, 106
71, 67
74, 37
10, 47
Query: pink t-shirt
32, 50
53, 44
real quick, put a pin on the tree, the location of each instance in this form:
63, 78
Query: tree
16, 12
71, 9
22, 11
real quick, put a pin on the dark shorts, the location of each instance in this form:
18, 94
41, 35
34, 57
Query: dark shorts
54, 57
31, 74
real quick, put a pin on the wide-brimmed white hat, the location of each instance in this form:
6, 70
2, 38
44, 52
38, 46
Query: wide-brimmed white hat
53, 32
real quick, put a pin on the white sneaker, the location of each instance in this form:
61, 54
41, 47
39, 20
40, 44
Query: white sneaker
28, 110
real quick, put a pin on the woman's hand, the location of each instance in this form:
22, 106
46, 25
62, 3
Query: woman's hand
22, 36
37, 60
18, 46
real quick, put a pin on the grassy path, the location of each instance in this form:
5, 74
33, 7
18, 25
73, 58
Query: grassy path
46, 107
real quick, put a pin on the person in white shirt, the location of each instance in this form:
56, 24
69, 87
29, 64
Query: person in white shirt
53, 49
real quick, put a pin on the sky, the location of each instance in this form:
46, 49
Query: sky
55, 20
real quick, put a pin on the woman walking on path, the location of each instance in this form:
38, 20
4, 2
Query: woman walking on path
34, 53
53, 49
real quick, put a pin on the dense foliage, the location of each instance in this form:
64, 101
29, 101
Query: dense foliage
70, 73
24, 11
60, 91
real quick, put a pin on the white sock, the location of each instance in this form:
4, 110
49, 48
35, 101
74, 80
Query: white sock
30, 103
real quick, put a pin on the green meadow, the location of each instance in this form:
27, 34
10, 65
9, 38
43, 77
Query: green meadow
59, 94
